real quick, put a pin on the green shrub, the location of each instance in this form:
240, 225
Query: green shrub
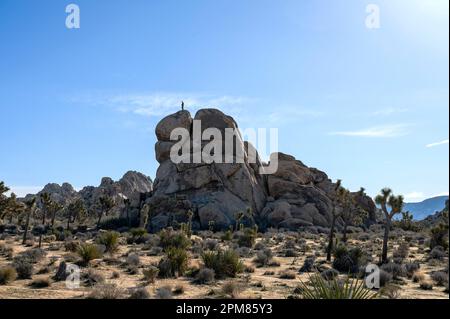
173, 239
247, 238
88, 252
110, 240
7, 274
224, 263
24, 267
174, 264
348, 261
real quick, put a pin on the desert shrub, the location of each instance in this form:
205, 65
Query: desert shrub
24, 268
138, 236
290, 253
173, 239
329, 274
308, 265
402, 251
232, 289
7, 274
40, 283
164, 293
385, 278
391, 291
115, 275
210, 244
439, 237
319, 288
133, 260
227, 236
396, 270
426, 285
110, 240
247, 238
88, 252
224, 263
174, 264
71, 246
140, 293
117, 223
204, 276
287, 274
440, 278
411, 268
150, 274
348, 261
106, 291
34, 255
263, 257
437, 252
93, 278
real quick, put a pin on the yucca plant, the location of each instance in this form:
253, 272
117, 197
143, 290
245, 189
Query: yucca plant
110, 240
320, 288
88, 252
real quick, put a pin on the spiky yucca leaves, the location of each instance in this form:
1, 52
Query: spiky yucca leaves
110, 240
320, 288
88, 252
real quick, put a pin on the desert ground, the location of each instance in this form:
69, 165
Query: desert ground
274, 264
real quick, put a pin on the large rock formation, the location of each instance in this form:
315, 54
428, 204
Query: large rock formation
133, 186
294, 196
214, 192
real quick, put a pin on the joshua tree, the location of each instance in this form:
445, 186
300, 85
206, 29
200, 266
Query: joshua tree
339, 191
239, 217
46, 203
127, 204
395, 203
53, 210
12, 207
75, 210
3, 198
106, 203
30, 208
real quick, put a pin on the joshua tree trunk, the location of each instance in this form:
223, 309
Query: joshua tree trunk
68, 222
387, 227
27, 224
344, 237
330, 242
100, 215
53, 219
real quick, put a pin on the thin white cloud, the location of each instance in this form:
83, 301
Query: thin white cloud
437, 143
159, 104
395, 130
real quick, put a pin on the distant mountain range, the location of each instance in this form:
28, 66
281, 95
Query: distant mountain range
426, 208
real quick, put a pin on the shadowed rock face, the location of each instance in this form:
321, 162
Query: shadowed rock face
293, 197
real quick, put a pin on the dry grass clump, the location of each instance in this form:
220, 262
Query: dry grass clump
7, 275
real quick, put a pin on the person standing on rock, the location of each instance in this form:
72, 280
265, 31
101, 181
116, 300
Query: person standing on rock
182, 105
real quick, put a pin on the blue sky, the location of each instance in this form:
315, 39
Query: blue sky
369, 106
